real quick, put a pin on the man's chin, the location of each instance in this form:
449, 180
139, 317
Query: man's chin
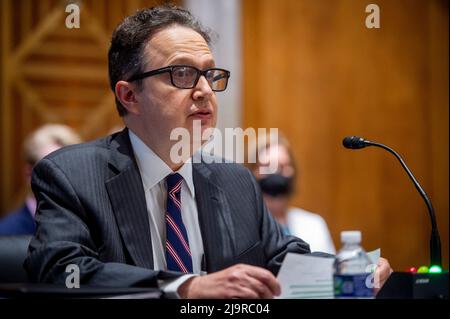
203, 128
207, 121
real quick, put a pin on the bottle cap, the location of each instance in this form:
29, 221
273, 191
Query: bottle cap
351, 237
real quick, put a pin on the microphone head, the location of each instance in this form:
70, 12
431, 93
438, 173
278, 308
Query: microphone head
354, 142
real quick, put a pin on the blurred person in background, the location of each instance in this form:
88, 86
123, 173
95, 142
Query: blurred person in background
278, 189
41, 142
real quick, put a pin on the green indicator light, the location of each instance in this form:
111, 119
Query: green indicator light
435, 270
422, 270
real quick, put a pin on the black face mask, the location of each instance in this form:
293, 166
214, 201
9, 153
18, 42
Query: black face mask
276, 185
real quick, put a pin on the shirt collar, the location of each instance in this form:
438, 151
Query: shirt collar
153, 169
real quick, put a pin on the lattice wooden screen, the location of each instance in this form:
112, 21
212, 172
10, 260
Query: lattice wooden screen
50, 73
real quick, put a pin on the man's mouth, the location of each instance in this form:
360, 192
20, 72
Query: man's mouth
202, 115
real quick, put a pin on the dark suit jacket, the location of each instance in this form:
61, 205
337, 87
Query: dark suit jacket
92, 212
19, 222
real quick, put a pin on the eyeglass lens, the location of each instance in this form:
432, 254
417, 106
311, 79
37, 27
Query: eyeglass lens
186, 77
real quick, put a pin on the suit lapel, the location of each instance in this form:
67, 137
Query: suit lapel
215, 219
127, 198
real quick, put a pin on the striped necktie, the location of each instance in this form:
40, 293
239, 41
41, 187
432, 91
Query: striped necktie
178, 253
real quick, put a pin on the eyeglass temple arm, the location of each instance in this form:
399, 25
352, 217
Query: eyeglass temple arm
147, 74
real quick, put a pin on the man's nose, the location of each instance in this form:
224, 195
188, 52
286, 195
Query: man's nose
203, 89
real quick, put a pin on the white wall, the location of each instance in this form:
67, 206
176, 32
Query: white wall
223, 17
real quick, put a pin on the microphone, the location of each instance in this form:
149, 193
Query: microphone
356, 142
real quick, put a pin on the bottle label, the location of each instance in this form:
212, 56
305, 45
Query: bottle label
352, 286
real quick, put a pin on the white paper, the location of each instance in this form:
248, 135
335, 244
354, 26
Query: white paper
308, 277
374, 256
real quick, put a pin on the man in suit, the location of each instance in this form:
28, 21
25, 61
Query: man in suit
113, 206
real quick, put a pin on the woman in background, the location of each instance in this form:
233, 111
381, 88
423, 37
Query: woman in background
278, 188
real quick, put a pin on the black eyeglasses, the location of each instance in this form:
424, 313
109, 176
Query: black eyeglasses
186, 77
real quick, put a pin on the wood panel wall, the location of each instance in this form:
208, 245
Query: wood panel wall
52, 74
312, 69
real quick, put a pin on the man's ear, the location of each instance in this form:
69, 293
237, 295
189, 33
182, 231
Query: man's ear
126, 94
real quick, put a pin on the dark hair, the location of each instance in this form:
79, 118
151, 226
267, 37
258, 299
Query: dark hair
126, 53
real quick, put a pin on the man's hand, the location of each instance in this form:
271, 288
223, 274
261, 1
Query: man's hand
239, 281
382, 273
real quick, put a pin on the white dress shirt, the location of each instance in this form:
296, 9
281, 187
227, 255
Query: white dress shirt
153, 173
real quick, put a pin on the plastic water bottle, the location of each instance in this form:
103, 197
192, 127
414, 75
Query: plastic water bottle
352, 269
